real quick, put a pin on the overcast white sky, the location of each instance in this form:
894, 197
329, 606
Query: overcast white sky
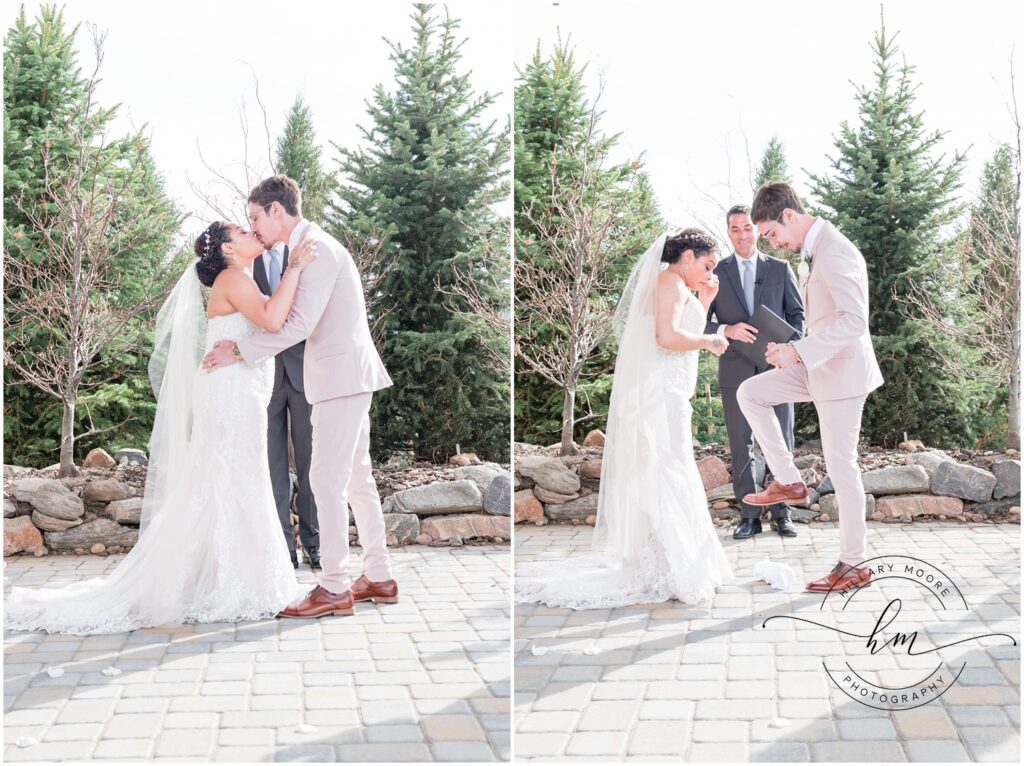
176, 66
685, 82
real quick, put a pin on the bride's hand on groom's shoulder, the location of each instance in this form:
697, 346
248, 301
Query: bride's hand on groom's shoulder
304, 254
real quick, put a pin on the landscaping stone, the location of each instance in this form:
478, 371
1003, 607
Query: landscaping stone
896, 480
963, 481
498, 497
528, 507
577, 509
82, 537
441, 497
20, 534
713, 472
1007, 473
401, 528
900, 506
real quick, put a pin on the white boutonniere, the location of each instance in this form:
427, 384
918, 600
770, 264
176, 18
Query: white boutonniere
803, 272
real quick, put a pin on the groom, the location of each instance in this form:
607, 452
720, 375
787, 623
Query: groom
834, 367
755, 279
341, 370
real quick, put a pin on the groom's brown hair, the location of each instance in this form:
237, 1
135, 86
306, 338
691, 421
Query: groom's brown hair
772, 199
281, 189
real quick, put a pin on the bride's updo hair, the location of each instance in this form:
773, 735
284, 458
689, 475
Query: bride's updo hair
211, 260
694, 239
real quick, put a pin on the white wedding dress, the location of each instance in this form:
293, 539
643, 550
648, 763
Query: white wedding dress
214, 552
654, 539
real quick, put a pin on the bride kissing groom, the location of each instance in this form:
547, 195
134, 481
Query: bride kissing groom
210, 548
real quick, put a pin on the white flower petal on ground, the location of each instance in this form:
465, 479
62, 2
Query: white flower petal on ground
55, 672
539, 651
111, 671
779, 723
305, 728
26, 741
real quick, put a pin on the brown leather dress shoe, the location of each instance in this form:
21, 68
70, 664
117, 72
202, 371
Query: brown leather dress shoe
319, 602
778, 493
383, 592
842, 577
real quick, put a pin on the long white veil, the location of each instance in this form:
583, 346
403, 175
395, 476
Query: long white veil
177, 352
621, 529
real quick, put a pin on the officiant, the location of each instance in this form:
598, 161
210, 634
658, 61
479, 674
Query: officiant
748, 279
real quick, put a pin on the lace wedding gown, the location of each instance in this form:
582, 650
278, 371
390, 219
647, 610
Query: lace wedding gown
674, 552
215, 553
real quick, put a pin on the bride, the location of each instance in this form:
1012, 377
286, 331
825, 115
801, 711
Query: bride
654, 539
210, 546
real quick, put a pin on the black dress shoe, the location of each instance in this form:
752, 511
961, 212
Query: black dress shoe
313, 556
747, 528
784, 527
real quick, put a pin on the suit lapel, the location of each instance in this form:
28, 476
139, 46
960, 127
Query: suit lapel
259, 273
732, 273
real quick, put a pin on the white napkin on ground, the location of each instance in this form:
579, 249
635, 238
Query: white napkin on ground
778, 576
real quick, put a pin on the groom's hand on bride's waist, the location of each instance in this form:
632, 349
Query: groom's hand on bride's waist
224, 354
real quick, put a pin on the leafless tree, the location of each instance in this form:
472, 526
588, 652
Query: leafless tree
373, 265
71, 282
565, 299
481, 294
980, 309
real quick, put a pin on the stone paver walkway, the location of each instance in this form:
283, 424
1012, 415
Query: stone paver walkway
709, 683
426, 679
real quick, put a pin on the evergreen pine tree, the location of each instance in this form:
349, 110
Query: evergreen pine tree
774, 168
892, 196
298, 157
430, 172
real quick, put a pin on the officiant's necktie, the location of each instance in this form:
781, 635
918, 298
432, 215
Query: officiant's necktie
748, 284
274, 275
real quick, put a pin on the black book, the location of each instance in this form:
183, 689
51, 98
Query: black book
771, 328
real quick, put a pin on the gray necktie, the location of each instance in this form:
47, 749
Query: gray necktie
748, 285
274, 275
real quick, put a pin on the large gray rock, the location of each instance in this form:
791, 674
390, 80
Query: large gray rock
828, 504
401, 528
100, 530
896, 480
482, 475
441, 497
547, 496
498, 497
127, 511
50, 497
579, 508
929, 460
998, 506
1007, 473
825, 486
10, 509
963, 481
24, 488
131, 457
553, 475
525, 465
52, 523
